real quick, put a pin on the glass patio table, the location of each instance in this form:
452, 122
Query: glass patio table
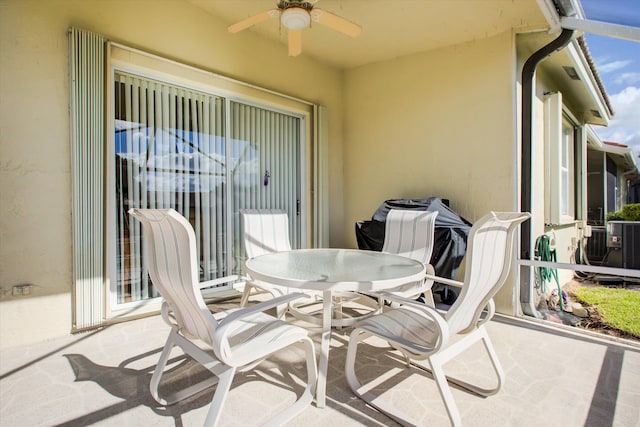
333, 270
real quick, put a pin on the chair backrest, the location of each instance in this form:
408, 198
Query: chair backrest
265, 231
489, 252
171, 256
410, 233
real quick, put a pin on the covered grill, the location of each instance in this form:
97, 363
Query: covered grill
450, 240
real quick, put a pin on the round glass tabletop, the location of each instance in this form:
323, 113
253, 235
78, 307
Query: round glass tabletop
335, 269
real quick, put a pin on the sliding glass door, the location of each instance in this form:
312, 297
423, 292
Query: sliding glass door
265, 169
206, 157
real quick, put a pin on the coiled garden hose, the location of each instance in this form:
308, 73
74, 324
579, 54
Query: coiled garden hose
544, 252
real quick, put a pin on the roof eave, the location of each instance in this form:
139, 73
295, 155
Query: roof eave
593, 85
622, 154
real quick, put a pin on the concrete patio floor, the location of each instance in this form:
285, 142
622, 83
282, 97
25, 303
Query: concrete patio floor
553, 377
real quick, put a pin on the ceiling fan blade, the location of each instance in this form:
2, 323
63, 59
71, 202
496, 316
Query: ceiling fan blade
295, 42
335, 22
253, 20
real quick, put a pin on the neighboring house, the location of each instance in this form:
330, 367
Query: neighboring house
427, 103
612, 169
612, 174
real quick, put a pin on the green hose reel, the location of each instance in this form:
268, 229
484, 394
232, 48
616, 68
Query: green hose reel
544, 252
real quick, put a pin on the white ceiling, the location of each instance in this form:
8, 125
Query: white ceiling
390, 28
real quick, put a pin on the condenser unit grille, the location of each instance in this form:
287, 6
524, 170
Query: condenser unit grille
597, 245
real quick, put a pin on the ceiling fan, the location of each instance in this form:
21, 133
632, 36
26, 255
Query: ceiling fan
296, 15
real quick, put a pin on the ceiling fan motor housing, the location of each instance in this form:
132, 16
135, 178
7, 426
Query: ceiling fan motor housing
295, 18
283, 4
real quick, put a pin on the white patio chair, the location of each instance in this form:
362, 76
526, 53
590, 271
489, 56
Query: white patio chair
267, 230
410, 233
264, 231
421, 333
236, 340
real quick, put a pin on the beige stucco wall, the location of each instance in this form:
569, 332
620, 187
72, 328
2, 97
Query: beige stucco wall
565, 237
441, 123
35, 187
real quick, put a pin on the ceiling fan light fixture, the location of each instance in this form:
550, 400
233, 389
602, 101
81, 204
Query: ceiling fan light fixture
295, 18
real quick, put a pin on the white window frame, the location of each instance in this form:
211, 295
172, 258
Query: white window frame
560, 142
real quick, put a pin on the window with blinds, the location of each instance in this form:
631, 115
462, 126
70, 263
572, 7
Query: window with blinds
204, 156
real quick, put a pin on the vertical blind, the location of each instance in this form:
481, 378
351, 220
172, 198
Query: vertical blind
86, 113
169, 153
266, 174
172, 151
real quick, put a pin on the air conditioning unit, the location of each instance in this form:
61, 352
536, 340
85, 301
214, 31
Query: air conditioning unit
623, 241
597, 245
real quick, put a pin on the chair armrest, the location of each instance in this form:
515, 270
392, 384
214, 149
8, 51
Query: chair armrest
444, 280
408, 301
428, 311
165, 312
221, 344
258, 308
430, 273
491, 310
265, 286
218, 281
429, 270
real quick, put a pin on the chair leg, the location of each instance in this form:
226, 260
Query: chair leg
445, 391
281, 311
219, 397
173, 340
428, 298
356, 336
159, 370
357, 388
223, 375
479, 334
436, 363
245, 294
306, 397
497, 367
460, 346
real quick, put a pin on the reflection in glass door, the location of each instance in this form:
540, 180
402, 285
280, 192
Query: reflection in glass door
171, 150
266, 168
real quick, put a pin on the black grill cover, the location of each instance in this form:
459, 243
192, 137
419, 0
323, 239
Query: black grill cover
450, 234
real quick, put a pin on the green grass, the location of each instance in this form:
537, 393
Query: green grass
619, 308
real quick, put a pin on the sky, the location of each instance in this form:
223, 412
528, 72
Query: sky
618, 63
